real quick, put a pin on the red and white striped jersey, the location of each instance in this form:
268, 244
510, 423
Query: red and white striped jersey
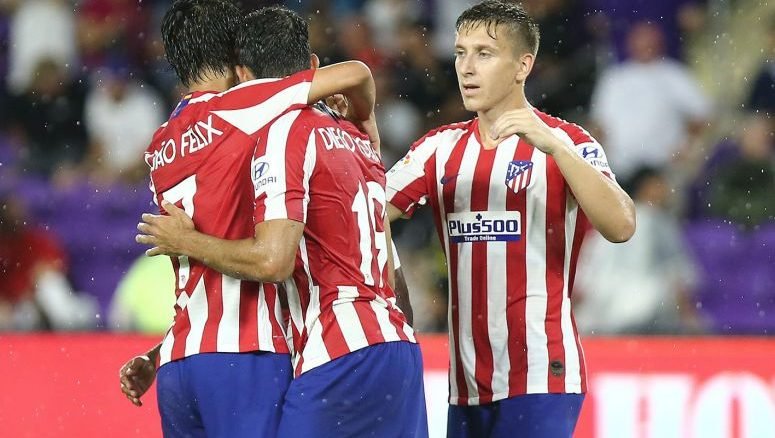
200, 160
314, 168
511, 231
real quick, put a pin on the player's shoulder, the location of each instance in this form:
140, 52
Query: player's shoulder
446, 133
574, 131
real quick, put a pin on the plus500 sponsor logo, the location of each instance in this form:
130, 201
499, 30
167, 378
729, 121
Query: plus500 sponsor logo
484, 226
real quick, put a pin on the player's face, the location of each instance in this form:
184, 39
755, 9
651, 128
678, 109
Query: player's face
488, 71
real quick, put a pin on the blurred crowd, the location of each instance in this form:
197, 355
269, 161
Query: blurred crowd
680, 93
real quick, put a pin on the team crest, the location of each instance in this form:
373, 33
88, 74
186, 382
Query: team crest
518, 175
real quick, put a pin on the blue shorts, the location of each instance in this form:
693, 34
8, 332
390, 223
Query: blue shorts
373, 392
531, 415
223, 394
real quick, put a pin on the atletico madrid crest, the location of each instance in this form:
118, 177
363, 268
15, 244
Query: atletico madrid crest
518, 175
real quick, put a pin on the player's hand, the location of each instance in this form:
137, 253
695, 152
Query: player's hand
338, 103
136, 376
528, 126
165, 234
369, 127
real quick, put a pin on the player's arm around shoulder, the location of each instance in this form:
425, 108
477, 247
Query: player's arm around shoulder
268, 257
608, 207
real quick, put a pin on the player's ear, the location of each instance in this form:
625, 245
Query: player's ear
524, 66
243, 73
314, 61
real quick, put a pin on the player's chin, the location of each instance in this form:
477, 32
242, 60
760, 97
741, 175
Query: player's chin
471, 105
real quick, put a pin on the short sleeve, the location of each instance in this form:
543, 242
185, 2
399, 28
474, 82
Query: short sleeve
253, 105
407, 182
282, 166
585, 146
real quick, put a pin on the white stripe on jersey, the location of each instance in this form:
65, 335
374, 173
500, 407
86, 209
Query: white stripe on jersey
203, 98
572, 358
389, 332
275, 157
415, 167
442, 156
465, 267
165, 351
197, 315
315, 352
347, 318
536, 301
228, 327
264, 323
310, 159
496, 274
250, 119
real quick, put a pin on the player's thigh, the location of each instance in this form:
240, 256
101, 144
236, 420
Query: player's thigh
470, 421
376, 391
241, 394
538, 416
178, 408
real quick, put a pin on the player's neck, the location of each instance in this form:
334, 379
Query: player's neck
219, 83
488, 117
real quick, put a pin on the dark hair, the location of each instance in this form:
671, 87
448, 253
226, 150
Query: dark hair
199, 37
641, 175
274, 43
494, 13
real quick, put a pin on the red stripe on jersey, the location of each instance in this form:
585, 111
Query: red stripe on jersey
398, 323
370, 325
278, 331
406, 203
516, 288
335, 343
256, 91
213, 291
480, 190
180, 332
302, 284
452, 167
248, 316
555, 276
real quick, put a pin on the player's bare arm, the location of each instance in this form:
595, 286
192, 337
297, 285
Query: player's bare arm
394, 213
402, 296
608, 207
268, 257
137, 375
352, 79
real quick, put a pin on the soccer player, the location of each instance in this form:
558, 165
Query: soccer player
511, 211
320, 220
200, 159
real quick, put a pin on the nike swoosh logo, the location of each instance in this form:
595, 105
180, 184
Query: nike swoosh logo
448, 178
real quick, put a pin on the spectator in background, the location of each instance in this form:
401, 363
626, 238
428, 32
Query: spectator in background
643, 285
399, 121
40, 29
677, 18
649, 109
420, 77
742, 190
762, 95
47, 120
110, 28
143, 301
34, 291
121, 115
356, 40
564, 75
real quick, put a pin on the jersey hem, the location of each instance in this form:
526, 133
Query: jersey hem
474, 401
